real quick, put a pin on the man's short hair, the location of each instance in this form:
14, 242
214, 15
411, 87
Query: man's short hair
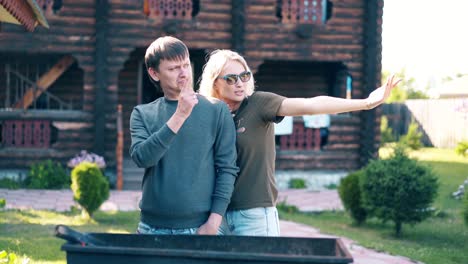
165, 48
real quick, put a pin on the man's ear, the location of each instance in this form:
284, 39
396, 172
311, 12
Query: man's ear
153, 74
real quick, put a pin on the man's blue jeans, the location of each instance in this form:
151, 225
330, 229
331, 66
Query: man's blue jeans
148, 230
260, 221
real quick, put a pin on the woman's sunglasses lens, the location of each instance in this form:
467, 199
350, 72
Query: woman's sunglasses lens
245, 76
231, 79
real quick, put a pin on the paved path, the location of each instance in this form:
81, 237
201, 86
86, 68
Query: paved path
128, 201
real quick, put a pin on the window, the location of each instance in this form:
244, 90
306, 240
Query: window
50, 7
303, 11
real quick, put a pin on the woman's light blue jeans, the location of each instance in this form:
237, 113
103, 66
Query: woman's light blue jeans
260, 221
148, 230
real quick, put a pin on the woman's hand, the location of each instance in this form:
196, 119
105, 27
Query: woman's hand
379, 95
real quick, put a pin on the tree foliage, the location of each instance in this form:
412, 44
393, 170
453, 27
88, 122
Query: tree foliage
386, 132
413, 137
405, 90
462, 148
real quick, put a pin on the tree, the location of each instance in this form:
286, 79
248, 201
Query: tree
413, 137
405, 90
386, 132
398, 189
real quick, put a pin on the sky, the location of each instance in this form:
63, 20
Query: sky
427, 37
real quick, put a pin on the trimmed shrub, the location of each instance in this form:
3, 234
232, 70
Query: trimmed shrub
386, 133
398, 189
297, 183
412, 139
350, 194
90, 188
462, 148
2, 203
465, 213
47, 175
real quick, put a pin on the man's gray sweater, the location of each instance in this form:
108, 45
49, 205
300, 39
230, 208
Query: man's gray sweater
190, 174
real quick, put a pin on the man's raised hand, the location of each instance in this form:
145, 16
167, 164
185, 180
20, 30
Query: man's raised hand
187, 100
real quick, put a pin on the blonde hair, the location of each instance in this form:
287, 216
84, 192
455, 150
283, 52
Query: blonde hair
218, 59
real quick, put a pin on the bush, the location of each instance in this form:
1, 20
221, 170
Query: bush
297, 183
8, 258
90, 188
8, 183
412, 139
284, 207
47, 175
2, 203
331, 186
462, 148
350, 194
466, 208
398, 189
386, 133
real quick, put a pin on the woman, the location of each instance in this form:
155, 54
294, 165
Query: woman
227, 76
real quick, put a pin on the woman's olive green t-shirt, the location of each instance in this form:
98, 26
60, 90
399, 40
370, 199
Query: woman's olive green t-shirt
255, 185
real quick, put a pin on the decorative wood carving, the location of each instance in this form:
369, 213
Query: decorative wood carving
26, 133
175, 9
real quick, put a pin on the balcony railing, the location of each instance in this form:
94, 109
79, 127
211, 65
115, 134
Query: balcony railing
26, 133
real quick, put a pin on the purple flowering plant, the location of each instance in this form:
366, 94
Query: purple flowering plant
87, 156
462, 107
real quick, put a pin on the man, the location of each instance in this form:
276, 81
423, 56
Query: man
186, 143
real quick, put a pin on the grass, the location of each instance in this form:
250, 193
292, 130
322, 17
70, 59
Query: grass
30, 234
442, 239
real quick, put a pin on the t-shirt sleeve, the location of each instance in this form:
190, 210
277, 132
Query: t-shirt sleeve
268, 105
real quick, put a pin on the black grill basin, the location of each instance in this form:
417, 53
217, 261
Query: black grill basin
100, 248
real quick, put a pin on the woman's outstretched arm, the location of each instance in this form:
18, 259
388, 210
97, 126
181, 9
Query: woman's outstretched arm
335, 105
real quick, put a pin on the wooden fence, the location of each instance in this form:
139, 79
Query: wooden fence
444, 122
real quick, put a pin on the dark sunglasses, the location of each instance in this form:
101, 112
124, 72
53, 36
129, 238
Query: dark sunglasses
233, 78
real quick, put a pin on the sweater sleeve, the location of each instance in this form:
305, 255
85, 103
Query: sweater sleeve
225, 156
146, 148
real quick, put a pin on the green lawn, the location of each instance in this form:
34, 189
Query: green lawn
30, 234
442, 239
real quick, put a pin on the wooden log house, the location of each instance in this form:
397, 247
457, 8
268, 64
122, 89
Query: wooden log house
60, 87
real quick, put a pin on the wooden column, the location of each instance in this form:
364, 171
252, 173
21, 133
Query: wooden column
119, 148
102, 47
238, 25
371, 61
